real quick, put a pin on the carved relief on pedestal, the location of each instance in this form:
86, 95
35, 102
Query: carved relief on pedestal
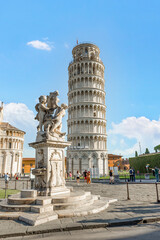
40, 171
56, 172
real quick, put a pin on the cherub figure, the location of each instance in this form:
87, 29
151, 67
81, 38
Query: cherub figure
52, 100
57, 120
42, 109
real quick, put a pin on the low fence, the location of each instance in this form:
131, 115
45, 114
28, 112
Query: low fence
156, 188
17, 184
139, 176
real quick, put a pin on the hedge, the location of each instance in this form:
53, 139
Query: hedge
140, 162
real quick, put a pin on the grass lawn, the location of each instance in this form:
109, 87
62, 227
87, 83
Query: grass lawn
9, 191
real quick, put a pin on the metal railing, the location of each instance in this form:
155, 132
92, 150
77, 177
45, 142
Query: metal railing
156, 186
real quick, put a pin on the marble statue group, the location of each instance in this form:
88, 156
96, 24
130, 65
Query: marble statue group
50, 116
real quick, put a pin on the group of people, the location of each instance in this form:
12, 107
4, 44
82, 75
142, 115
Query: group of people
86, 175
8, 176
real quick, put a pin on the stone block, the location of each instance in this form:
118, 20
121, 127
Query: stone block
43, 201
28, 193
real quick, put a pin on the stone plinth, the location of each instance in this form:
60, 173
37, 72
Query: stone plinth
50, 167
28, 193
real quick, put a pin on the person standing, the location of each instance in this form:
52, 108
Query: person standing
157, 174
85, 175
131, 174
6, 177
134, 175
88, 177
78, 177
111, 177
70, 176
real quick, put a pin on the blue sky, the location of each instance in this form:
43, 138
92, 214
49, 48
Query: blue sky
127, 33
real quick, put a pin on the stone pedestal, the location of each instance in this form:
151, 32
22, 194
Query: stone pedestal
50, 167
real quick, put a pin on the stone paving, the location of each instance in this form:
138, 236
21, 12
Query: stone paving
142, 205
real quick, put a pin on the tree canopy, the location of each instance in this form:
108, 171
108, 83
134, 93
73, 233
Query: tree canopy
157, 148
147, 151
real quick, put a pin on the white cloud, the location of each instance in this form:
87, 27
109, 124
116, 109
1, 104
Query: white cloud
141, 129
20, 116
41, 45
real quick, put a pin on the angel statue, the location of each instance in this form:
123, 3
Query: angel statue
50, 116
42, 109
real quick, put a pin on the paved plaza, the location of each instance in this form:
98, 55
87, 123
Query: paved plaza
140, 232
142, 206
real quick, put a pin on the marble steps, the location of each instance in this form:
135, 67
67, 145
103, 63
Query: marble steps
35, 219
21, 201
42, 208
98, 206
72, 205
43, 201
74, 197
14, 208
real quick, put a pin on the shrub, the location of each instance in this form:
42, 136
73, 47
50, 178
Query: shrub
139, 163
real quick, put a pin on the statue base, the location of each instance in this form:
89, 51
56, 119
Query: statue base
42, 136
50, 167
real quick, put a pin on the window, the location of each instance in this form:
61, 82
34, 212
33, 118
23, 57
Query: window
31, 164
10, 144
78, 144
23, 165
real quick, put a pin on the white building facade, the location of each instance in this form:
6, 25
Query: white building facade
86, 111
11, 147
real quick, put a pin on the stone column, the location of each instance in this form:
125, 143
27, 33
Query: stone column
98, 163
12, 161
17, 162
4, 162
89, 162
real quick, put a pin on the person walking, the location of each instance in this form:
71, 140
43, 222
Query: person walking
111, 177
78, 177
157, 174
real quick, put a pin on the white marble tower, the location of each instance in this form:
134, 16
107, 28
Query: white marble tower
86, 111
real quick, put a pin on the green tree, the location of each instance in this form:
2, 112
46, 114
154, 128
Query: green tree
157, 148
136, 154
147, 151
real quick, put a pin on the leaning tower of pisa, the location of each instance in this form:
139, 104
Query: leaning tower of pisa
86, 111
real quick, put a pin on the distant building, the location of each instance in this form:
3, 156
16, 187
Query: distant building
27, 164
11, 147
117, 161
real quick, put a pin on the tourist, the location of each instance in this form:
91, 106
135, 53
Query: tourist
88, 175
78, 177
157, 174
111, 177
6, 177
70, 176
134, 175
131, 174
85, 175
